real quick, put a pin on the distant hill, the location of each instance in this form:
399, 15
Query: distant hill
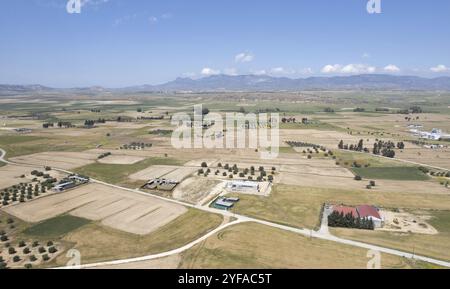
261, 83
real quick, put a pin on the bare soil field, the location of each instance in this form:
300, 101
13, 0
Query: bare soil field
116, 208
405, 222
121, 160
61, 160
195, 189
180, 173
152, 172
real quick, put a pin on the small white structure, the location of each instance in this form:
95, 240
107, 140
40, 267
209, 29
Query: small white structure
243, 186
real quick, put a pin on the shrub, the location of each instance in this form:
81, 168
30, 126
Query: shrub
26, 251
33, 258
22, 244
4, 238
28, 266
11, 251
204, 165
372, 183
41, 250
16, 259
52, 250
358, 178
45, 257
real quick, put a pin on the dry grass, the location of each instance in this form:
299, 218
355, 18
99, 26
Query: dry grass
99, 243
256, 246
300, 206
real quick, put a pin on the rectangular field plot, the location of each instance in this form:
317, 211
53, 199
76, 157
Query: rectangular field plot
61, 160
116, 208
152, 172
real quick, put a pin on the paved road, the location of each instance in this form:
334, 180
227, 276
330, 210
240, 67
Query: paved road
321, 234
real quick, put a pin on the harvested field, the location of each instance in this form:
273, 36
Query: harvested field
180, 174
152, 172
121, 160
251, 246
61, 160
198, 163
321, 181
116, 208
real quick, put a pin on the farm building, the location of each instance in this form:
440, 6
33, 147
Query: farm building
370, 212
243, 186
161, 184
225, 203
64, 186
365, 211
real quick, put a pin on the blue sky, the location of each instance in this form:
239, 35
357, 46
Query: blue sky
117, 43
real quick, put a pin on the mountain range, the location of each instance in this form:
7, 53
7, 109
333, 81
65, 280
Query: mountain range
260, 83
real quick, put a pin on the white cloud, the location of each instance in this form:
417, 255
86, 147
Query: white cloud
440, 68
358, 68
244, 57
331, 68
259, 72
391, 68
348, 69
209, 71
281, 71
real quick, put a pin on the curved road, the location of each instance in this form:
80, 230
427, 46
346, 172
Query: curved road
322, 234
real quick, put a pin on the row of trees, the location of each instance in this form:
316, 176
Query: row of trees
384, 148
337, 219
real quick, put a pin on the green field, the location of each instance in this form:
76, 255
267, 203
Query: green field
115, 174
391, 173
56, 227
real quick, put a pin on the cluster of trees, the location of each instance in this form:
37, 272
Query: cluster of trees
104, 155
299, 144
384, 148
22, 192
23, 246
151, 117
60, 124
91, 123
234, 170
161, 132
65, 124
329, 110
288, 120
136, 146
359, 109
96, 110
337, 219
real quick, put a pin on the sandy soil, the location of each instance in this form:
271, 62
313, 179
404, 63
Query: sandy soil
62, 160
404, 222
115, 208
195, 189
